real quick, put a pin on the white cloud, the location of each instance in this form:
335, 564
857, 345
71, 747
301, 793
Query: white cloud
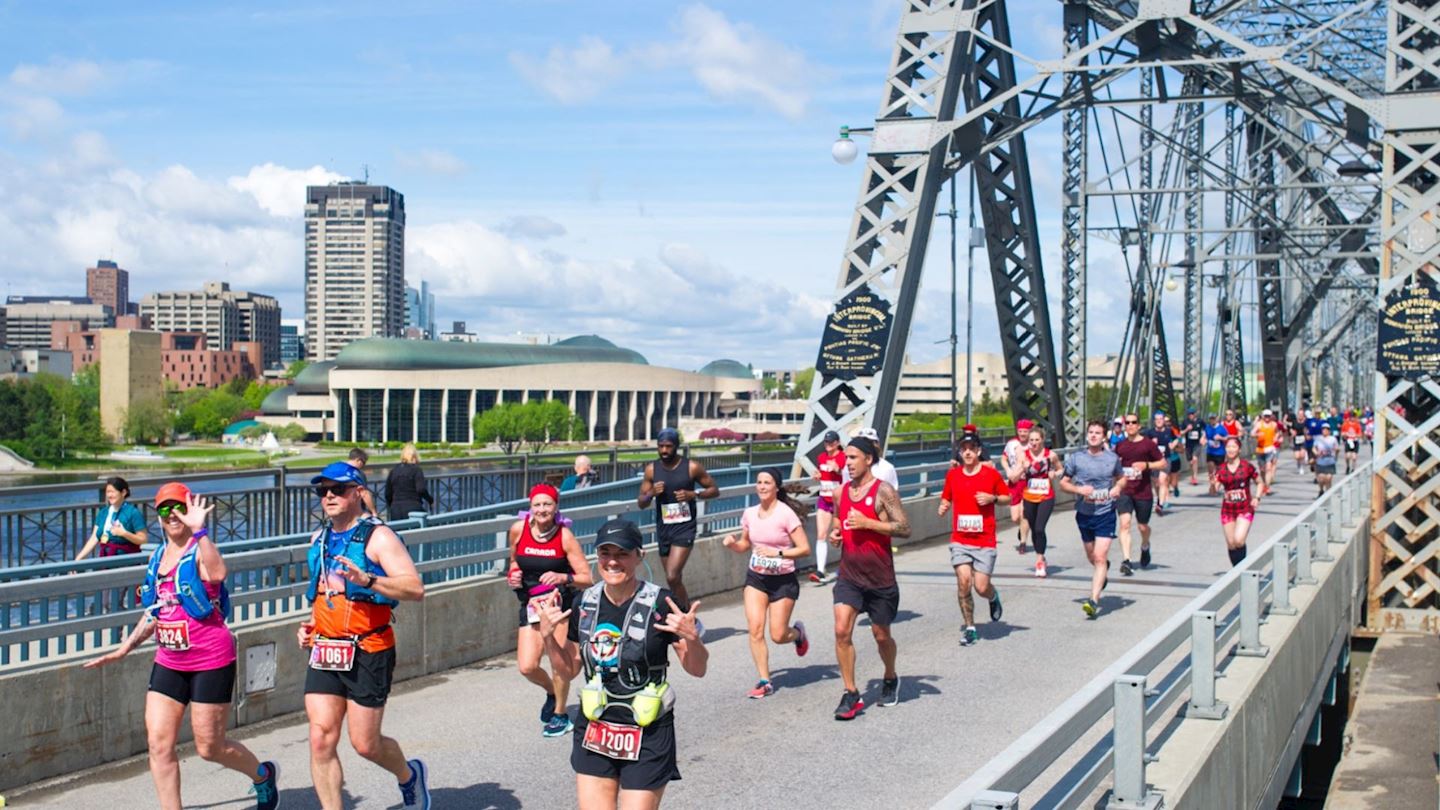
732, 62
531, 226
59, 77
279, 190
432, 161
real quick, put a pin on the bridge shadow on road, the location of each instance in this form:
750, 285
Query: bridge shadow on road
484, 796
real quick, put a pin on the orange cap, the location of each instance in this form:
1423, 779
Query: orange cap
173, 491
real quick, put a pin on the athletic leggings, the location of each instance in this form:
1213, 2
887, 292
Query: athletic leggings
1037, 514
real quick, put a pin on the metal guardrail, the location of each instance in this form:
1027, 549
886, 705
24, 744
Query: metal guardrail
279, 501
1137, 697
57, 615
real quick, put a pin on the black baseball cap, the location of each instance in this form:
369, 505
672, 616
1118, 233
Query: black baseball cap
620, 533
970, 438
832, 436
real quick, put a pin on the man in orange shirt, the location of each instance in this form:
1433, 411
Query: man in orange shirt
1267, 448
1350, 433
359, 571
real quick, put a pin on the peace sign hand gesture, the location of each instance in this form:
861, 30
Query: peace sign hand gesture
678, 622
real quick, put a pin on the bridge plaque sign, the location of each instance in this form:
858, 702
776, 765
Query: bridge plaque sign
1409, 333
853, 344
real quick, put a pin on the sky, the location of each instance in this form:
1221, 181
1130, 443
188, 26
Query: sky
656, 173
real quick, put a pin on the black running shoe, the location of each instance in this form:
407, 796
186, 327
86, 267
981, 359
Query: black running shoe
1144, 556
996, 609
890, 691
851, 704
1125, 569
547, 709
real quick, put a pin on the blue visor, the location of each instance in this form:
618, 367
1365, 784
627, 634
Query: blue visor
341, 473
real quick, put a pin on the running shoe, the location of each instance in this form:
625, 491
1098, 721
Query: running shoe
969, 636
996, 609
817, 577
1175, 491
802, 640
1091, 609
1144, 556
851, 704
559, 725
547, 709
267, 792
763, 689
890, 691
1193, 483
416, 792
1125, 569
1159, 510
1040, 569
1022, 547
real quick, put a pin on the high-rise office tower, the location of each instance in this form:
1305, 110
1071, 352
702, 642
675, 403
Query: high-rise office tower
420, 309
354, 266
222, 314
108, 284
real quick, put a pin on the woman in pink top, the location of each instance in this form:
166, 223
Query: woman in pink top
773, 534
196, 660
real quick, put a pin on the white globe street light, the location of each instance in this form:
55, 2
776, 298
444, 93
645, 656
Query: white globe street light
1171, 284
844, 150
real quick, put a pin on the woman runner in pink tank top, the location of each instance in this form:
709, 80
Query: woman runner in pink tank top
195, 664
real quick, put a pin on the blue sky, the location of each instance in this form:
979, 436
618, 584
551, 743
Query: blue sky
658, 173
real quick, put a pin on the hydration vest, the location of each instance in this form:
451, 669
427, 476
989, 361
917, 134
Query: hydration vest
355, 552
632, 668
189, 587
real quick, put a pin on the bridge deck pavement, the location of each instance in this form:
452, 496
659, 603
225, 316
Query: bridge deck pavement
477, 726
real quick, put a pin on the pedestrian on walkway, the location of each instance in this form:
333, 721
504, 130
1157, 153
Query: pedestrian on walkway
119, 527
1141, 458
1237, 504
868, 515
360, 571
773, 532
1325, 449
1095, 476
1013, 472
830, 464
675, 483
1193, 431
1040, 468
405, 490
624, 751
973, 489
545, 559
186, 608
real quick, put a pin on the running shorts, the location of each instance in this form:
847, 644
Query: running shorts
656, 767
880, 604
1231, 517
774, 586
205, 686
825, 505
1265, 456
981, 558
682, 536
1017, 492
1096, 525
367, 683
1126, 503
1325, 467
567, 601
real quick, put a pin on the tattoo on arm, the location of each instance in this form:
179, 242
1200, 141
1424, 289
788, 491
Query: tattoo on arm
894, 512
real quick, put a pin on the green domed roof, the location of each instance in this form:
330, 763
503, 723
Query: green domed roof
727, 368
393, 354
276, 401
314, 379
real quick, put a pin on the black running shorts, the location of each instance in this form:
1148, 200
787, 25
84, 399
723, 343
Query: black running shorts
656, 767
880, 604
367, 683
206, 686
1125, 504
774, 586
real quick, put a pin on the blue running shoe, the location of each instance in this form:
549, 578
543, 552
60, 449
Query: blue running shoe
547, 709
559, 725
416, 792
267, 793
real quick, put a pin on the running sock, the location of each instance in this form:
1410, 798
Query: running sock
1237, 555
822, 550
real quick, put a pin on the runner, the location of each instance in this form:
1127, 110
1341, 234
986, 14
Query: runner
1013, 473
671, 482
830, 464
1314, 426
1267, 449
1369, 422
868, 514
1040, 467
195, 662
1096, 478
1140, 457
1299, 441
1172, 455
1215, 436
774, 535
1326, 451
359, 571
1117, 433
624, 742
1163, 436
1231, 424
1194, 433
974, 489
1237, 505
1350, 433
545, 557
883, 469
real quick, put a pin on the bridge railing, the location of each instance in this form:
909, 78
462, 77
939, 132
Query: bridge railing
1175, 661
44, 618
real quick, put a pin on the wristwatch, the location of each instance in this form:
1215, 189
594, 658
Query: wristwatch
371, 583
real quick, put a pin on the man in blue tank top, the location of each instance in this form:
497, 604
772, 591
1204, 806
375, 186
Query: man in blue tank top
674, 483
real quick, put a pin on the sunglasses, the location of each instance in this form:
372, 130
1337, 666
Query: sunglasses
1132, 421
165, 510
338, 490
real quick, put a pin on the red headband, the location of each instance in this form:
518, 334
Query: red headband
545, 489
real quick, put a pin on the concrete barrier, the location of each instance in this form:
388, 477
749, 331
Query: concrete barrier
62, 718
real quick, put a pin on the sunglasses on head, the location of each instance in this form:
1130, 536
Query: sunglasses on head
165, 510
331, 489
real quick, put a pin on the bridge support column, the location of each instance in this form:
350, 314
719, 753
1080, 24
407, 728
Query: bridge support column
1131, 792
1202, 669
1250, 645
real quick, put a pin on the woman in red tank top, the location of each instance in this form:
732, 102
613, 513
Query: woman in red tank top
546, 563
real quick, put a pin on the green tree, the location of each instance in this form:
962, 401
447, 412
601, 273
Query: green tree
804, 378
502, 425
293, 432
549, 421
148, 422
254, 431
295, 368
255, 393
209, 412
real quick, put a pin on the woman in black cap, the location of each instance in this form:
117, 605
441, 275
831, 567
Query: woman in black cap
625, 735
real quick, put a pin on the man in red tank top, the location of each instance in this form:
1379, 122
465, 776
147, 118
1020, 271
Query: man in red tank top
867, 515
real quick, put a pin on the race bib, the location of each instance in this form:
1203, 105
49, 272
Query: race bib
677, 512
173, 636
765, 565
1237, 496
1194, 435
827, 489
533, 607
969, 523
1038, 486
1099, 496
613, 740
333, 655
1132, 474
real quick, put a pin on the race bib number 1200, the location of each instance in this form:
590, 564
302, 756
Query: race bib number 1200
613, 740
